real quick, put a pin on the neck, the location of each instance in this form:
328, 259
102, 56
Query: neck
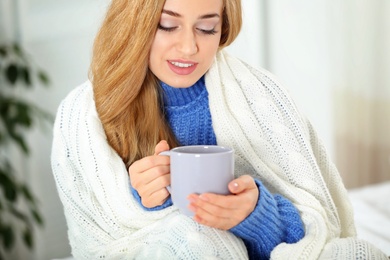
182, 96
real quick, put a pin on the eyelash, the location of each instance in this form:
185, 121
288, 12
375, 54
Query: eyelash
167, 29
208, 32
171, 29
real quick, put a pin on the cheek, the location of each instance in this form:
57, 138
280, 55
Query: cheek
213, 44
211, 48
158, 45
156, 55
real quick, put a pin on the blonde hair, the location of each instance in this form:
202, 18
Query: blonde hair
126, 93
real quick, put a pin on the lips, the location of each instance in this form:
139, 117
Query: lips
182, 67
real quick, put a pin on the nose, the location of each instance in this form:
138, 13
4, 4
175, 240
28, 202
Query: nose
187, 43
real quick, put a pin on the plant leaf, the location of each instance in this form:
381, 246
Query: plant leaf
23, 114
8, 236
17, 50
26, 193
1, 138
43, 78
37, 216
10, 192
16, 117
9, 187
25, 74
18, 213
21, 142
11, 73
3, 52
27, 238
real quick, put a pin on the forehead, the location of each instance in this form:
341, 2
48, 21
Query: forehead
194, 8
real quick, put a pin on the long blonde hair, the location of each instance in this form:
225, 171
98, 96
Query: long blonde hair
126, 93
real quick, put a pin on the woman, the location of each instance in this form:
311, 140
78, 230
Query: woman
159, 79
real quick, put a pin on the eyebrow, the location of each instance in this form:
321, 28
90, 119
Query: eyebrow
205, 16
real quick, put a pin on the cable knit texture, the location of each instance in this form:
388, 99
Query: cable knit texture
251, 113
187, 111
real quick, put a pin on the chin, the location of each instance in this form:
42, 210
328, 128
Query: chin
182, 83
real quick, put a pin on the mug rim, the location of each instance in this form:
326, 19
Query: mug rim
215, 149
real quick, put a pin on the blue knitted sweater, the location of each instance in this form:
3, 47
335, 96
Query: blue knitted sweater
275, 219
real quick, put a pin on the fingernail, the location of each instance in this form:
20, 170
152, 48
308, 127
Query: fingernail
235, 186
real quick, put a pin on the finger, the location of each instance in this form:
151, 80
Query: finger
147, 191
161, 147
223, 219
147, 163
241, 184
218, 205
149, 176
223, 201
157, 198
205, 218
158, 183
215, 205
234, 210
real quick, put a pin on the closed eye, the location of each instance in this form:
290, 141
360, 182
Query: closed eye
171, 29
167, 29
208, 32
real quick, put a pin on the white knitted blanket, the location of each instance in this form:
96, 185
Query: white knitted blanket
272, 142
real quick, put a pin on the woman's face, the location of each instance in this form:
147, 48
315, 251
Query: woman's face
186, 41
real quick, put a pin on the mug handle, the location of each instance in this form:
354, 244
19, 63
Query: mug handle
167, 153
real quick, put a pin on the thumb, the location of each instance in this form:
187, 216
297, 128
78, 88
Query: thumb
241, 184
161, 147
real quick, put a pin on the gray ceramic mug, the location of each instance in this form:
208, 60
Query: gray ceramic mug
199, 169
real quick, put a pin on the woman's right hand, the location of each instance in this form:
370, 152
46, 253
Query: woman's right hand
150, 176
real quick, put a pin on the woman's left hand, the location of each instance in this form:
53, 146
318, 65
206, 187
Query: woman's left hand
226, 211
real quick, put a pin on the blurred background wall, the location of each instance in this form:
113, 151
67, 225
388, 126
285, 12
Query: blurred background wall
332, 56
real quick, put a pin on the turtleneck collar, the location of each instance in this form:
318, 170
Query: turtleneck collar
182, 96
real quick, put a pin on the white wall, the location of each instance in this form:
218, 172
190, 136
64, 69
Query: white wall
249, 44
6, 22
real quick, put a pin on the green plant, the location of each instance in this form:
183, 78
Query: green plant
19, 209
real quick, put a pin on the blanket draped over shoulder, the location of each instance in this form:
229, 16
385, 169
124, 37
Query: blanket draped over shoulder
273, 142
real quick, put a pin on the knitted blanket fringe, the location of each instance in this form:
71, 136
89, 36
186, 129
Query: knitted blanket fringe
273, 142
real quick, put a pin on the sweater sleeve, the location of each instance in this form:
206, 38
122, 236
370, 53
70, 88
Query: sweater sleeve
167, 203
275, 220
